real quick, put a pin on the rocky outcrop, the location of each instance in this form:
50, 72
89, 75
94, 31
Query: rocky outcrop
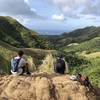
42, 87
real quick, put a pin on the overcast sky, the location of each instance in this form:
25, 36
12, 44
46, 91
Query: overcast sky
53, 15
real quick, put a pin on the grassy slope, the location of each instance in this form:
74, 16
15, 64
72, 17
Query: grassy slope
92, 70
6, 53
12, 32
92, 45
91, 50
81, 35
33, 55
78, 36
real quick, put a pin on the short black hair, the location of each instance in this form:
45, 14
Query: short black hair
20, 53
60, 56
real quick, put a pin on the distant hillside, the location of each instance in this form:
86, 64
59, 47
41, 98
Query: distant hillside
12, 32
78, 36
92, 45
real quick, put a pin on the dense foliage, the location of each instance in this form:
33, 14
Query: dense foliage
12, 32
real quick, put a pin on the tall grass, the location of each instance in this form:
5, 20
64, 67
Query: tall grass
92, 70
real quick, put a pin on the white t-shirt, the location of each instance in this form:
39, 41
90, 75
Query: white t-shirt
22, 61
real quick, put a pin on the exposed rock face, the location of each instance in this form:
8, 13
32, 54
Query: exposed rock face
47, 63
42, 87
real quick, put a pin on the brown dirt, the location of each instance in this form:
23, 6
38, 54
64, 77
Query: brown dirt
42, 87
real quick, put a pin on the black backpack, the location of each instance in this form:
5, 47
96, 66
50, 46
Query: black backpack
59, 66
60, 63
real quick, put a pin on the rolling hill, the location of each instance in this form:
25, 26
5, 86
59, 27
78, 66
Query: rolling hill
76, 36
89, 46
12, 32
81, 35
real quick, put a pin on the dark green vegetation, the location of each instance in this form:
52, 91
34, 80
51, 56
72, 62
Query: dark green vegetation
6, 51
12, 32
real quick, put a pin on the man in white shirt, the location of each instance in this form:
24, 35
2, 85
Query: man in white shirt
19, 64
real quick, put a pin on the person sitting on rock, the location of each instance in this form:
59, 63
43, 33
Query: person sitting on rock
59, 65
81, 78
19, 64
84, 81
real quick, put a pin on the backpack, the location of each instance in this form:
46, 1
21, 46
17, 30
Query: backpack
15, 63
60, 63
59, 66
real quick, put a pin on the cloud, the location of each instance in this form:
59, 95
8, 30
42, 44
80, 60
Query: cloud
19, 8
58, 17
74, 8
70, 8
27, 2
33, 9
92, 8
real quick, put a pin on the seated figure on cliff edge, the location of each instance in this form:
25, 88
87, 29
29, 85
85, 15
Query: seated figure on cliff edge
19, 65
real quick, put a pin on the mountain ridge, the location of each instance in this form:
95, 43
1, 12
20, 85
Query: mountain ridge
76, 36
14, 33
